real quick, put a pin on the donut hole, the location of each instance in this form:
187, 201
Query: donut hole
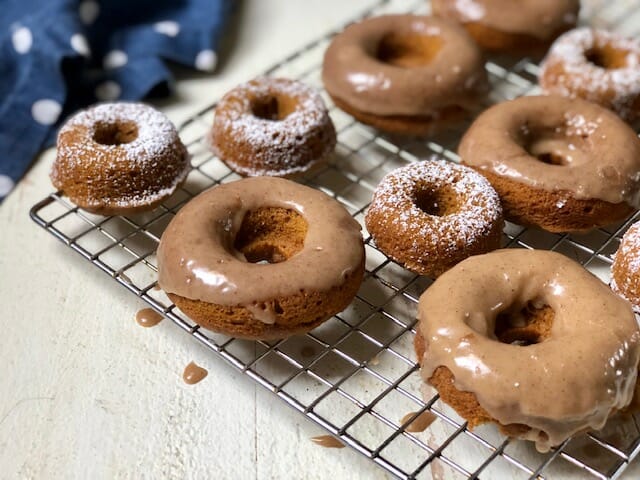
273, 107
548, 146
607, 57
524, 326
552, 158
407, 51
115, 133
437, 202
271, 235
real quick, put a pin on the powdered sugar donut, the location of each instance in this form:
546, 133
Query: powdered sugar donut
119, 158
625, 271
430, 215
272, 126
596, 65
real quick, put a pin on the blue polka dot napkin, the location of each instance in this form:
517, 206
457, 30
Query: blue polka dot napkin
57, 56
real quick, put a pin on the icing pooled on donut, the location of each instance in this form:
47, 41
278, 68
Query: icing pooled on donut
574, 379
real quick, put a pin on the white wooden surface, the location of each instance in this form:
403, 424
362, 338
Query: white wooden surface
87, 393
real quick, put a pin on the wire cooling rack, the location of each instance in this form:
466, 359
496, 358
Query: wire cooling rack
356, 374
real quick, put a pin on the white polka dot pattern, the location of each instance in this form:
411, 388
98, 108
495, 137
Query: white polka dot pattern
6, 185
46, 111
206, 60
80, 45
167, 27
115, 59
89, 11
22, 40
108, 90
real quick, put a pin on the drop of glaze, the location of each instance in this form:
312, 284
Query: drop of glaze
148, 317
327, 441
193, 373
421, 422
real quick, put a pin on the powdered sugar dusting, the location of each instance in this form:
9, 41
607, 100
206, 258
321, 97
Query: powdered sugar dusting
276, 147
479, 209
577, 124
121, 175
578, 77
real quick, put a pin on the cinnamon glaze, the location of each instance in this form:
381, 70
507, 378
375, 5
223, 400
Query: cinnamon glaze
148, 317
557, 144
404, 65
420, 423
327, 441
204, 265
570, 381
194, 373
537, 18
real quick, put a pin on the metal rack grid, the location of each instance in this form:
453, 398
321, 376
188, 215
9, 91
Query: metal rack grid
356, 375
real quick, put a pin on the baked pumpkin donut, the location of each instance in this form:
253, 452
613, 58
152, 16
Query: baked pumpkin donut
525, 26
599, 66
625, 271
405, 74
272, 126
261, 258
530, 340
557, 163
430, 215
119, 158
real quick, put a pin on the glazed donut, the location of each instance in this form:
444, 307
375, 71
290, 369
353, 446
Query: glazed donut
430, 215
560, 164
405, 74
596, 65
526, 26
530, 340
261, 258
625, 271
119, 158
272, 126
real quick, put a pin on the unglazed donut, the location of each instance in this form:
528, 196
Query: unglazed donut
525, 26
119, 158
530, 340
599, 66
557, 163
625, 271
430, 215
261, 258
272, 126
405, 74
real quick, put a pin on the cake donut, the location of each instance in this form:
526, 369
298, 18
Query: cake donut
119, 158
557, 163
526, 26
625, 271
430, 215
261, 258
405, 74
272, 126
599, 66
530, 340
